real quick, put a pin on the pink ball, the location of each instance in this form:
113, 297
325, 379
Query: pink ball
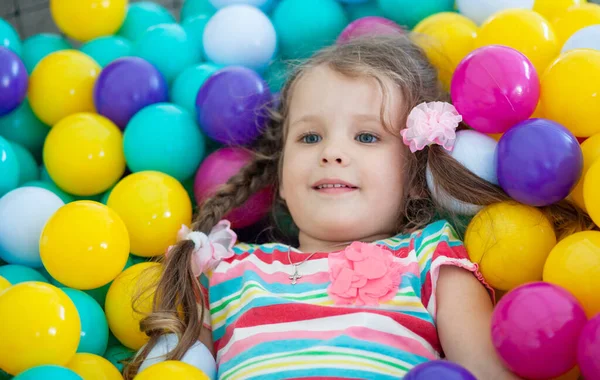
494, 88
215, 170
588, 350
535, 329
369, 26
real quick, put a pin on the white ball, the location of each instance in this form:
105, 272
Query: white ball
198, 355
586, 38
264, 5
23, 214
475, 151
480, 10
240, 35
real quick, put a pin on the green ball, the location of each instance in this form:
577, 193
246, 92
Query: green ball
194, 27
9, 167
44, 175
187, 84
94, 327
51, 186
360, 10
409, 13
28, 169
23, 127
141, 16
277, 74
164, 137
106, 49
118, 354
40, 45
305, 26
193, 8
9, 38
16, 274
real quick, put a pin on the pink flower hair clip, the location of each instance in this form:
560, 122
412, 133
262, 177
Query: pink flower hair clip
431, 123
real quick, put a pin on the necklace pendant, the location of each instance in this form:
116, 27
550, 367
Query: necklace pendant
294, 277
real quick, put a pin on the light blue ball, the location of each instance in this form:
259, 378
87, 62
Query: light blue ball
194, 27
9, 38
38, 46
9, 167
187, 84
164, 137
193, 8
28, 168
44, 372
305, 26
409, 13
141, 16
106, 49
23, 127
365, 9
94, 327
16, 274
169, 48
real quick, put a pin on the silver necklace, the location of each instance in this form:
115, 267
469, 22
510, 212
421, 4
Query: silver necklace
296, 275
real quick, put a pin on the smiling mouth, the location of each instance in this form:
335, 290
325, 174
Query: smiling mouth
334, 188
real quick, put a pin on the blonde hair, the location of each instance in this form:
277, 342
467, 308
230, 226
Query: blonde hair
178, 306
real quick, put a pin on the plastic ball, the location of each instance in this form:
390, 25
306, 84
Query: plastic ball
53, 372
51, 186
117, 354
123, 319
574, 264
14, 81
28, 340
552, 9
588, 349
9, 167
23, 127
83, 154
447, 38
305, 26
84, 20
240, 35
16, 274
194, 27
61, 84
84, 245
539, 162
195, 8
476, 152
369, 26
4, 284
28, 169
510, 242
38, 46
126, 86
479, 11
230, 105
141, 16
591, 153
571, 82
586, 38
94, 328
198, 355
168, 47
23, 214
535, 330
591, 184
90, 366
153, 206
106, 49
574, 19
523, 30
215, 170
9, 38
494, 88
363, 9
171, 369
186, 86
264, 5
409, 13
276, 75
438, 369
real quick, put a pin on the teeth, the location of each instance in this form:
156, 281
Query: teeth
330, 186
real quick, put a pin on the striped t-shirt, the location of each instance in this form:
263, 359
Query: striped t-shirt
265, 327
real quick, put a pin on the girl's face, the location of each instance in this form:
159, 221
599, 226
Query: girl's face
343, 173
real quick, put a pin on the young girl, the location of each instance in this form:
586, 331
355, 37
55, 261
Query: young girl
377, 284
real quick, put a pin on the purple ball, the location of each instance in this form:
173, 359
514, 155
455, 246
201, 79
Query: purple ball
127, 85
588, 349
439, 369
13, 81
231, 105
539, 162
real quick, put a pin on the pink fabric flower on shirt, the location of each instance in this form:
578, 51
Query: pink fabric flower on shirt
431, 123
363, 274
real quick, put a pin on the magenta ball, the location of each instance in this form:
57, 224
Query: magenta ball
588, 350
494, 88
215, 170
369, 26
536, 328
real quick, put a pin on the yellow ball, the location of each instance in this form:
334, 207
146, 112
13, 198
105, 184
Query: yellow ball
84, 245
124, 322
62, 84
574, 264
172, 370
591, 153
40, 325
571, 83
591, 192
4, 284
510, 242
84, 20
83, 154
523, 30
575, 18
153, 206
552, 9
446, 38
93, 367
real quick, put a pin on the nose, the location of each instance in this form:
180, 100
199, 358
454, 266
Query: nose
333, 154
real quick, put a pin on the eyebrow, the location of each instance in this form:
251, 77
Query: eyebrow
359, 117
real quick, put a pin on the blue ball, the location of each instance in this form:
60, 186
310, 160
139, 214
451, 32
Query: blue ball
106, 49
141, 16
9, 38
16, 274
94, 327
187, 84
43, 372
40, 45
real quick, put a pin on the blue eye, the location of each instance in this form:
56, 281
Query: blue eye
367, 138
311, 138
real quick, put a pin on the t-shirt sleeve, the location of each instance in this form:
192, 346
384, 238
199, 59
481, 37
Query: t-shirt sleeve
438, 245
206, 320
